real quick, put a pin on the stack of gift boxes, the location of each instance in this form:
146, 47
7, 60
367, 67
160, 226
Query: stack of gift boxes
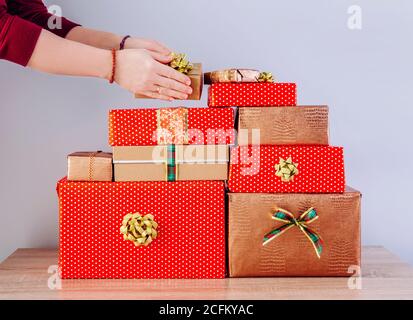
167, 204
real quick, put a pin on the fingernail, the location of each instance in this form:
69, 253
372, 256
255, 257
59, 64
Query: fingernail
189, 90
185, 96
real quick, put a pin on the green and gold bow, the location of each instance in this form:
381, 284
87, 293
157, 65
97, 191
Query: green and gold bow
180, 63
302, 223
286, 169
265, 77
141, 230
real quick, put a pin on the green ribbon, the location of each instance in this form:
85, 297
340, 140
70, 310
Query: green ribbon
302, 223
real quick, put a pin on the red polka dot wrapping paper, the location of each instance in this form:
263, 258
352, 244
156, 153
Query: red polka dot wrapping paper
320, 169
136, 127
191, 231
252, 94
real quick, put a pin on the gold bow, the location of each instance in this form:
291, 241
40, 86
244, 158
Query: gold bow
286, 169
141, 230
180, 63
265, 77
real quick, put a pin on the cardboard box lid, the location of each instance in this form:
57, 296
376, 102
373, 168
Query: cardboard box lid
183, 154
96, 154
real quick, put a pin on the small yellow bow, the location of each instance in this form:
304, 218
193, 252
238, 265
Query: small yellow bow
286, 169
265, 77
180, 63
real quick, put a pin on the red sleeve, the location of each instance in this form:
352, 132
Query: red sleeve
21, 22
18, 37
36, 12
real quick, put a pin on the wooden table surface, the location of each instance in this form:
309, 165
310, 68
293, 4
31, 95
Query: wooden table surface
24, 275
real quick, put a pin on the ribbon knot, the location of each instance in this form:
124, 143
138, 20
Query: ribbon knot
302, 223
180, 63
141, 230
265, 77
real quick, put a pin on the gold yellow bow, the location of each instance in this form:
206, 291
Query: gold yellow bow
141, 230
265, 77
286, 169
180, 63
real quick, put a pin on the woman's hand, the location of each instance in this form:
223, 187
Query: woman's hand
150, 45
144, 72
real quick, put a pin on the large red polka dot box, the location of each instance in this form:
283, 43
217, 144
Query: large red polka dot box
253, 94
142, 230
287, 169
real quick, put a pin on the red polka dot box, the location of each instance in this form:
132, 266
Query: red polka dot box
252, 94
289, 169
147, 230
149, 126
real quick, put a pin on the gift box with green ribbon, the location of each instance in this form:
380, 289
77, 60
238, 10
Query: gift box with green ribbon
171, 163
294, 234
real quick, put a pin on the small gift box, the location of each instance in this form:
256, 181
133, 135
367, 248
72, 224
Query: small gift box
296, 169
171, 163
259, 94
277, 235
89, 166
148, 127
151, 230
232, 75
283, 126
192, 70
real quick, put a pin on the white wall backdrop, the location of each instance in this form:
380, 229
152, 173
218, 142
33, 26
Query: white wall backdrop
365, 76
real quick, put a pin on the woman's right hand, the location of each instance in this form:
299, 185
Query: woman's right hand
144, 72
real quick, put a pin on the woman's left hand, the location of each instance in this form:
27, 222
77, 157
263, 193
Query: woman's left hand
148, 44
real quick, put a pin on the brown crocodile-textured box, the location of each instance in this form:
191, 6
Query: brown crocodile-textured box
292, 253
292, 125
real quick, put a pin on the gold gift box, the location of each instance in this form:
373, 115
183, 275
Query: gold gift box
284, 125
89, 166
291, 253
197, 83
192, 162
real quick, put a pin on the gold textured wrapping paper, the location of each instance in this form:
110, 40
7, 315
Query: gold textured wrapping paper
231, 75
282, 126
291, 253
89, 166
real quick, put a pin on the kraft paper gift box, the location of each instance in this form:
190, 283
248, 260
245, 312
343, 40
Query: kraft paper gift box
151, 230
171, 163
259, 94
301, 125
289, 169
197, 83
265, 240
89, 166
163, 126
231, 75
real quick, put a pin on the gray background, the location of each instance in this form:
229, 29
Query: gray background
364, 75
